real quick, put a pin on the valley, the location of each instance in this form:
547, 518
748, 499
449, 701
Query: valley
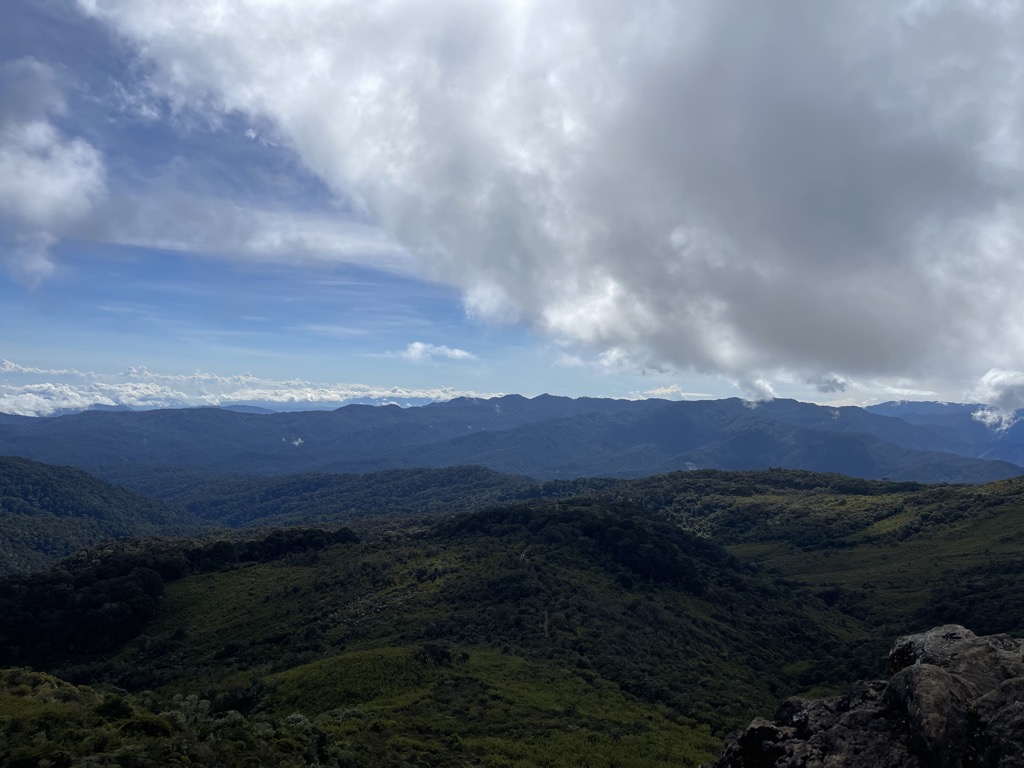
460, 615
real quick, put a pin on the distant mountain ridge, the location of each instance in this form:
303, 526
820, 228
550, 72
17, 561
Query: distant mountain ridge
545, 437
961, 429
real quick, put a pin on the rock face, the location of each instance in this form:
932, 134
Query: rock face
955, 700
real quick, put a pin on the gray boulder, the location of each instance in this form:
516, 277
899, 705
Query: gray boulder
955, 700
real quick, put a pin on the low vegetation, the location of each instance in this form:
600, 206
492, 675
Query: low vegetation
592, 622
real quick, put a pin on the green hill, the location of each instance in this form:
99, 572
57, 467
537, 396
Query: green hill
897, 556
484, 709
549, 631
241, 501
604, 622
48, 512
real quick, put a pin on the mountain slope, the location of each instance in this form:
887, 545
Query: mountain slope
47, 512
545, 437
603, 623
897, 556
549, 633
678, 436
314, 499
605, 590
957, 425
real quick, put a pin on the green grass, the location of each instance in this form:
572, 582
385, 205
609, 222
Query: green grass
891, 578
396, 706
484, 708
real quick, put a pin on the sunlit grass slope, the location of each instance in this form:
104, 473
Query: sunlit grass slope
898, 556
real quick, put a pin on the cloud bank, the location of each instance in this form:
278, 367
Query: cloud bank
827, 191
28, 391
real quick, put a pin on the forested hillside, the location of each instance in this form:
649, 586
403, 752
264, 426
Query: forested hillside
49, 512
239, 501
509, 622
535, 632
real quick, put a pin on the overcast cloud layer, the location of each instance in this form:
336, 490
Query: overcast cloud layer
819, 192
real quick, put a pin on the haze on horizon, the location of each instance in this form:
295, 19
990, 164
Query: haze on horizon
390, 199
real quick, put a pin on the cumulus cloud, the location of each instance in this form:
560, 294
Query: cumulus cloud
30, 391
818, 189
759, 390
1003, 391
419, 350
47, 181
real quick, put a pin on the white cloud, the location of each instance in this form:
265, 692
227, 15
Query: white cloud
10, 367
177, 221
828, 189
1003, 391
758, 389
47, 181
616, 358
29, 256
419, 350
675, 392
42, 392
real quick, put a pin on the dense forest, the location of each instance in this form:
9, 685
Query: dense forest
483, 617
49, 512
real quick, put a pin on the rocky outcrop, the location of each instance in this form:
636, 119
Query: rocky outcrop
955, 700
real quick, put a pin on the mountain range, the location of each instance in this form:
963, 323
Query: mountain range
544, 437
471, 615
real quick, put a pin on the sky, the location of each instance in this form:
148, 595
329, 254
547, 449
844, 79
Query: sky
228, 201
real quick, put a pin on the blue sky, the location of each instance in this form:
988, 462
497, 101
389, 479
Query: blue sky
109, 306
370, 200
